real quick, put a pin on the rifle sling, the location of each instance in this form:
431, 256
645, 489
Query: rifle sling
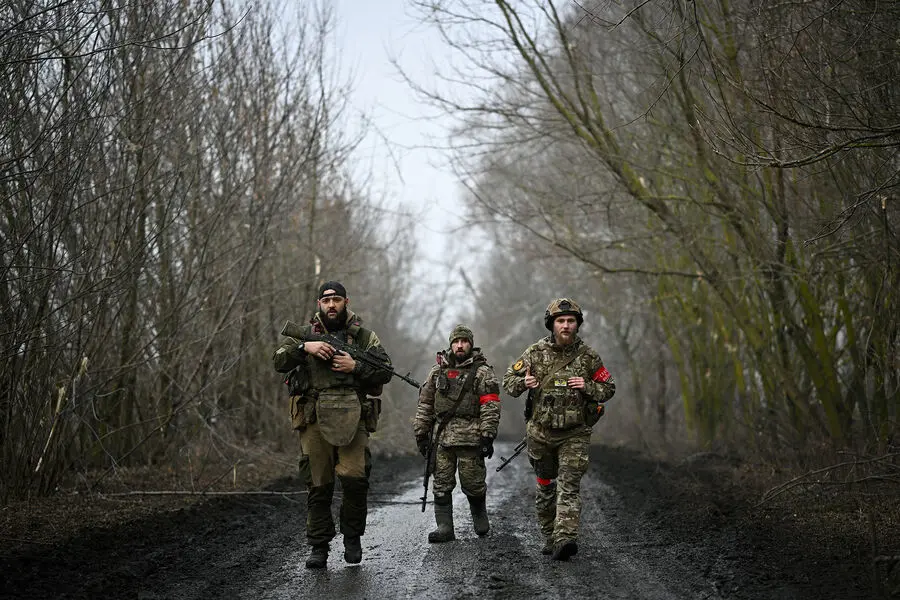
470, 377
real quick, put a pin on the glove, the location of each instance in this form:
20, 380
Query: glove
424, 446
486, 447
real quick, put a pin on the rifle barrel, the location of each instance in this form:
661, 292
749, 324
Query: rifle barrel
517, 451
364, 356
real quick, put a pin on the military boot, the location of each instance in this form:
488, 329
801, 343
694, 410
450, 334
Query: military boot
564, 550
352, 550
318, 557
547, 548
478, 506
443, 516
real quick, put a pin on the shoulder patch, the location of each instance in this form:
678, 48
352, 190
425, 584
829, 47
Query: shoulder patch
519, 365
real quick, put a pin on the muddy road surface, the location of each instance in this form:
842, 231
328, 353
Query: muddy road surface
649, 531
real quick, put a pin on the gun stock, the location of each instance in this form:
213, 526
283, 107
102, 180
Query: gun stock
428, 460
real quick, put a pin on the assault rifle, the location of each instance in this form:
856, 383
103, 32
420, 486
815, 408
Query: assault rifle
517, 451
429, 460
291, 329
435, 438
529, 410
529, 404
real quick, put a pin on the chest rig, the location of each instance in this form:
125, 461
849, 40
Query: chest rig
449, 383
558, 406
320, 374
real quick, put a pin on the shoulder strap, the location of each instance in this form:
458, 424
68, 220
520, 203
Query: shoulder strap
363, 337
470, 377
564, 361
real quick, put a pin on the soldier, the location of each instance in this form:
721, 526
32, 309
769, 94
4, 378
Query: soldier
461, 394
568, 385
332, 410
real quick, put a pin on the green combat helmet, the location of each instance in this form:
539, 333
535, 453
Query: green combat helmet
559, 307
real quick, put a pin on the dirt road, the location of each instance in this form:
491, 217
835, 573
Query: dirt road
649, 531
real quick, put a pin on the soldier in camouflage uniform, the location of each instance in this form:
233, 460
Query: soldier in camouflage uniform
568, 385
334, 407
462, 386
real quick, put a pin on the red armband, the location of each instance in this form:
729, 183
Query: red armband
601, 375
490, 398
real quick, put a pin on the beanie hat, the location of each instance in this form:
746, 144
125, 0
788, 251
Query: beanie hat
461, 332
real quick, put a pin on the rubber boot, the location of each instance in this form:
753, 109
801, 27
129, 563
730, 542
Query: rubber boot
443, 516
478, 506
352, 550
318, 557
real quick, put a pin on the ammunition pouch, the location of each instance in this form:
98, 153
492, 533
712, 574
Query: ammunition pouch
559, 413
297, 380
303, 412
371, 410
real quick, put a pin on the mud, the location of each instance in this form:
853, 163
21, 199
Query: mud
650, 529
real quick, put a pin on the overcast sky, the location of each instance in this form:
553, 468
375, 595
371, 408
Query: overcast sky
368, 35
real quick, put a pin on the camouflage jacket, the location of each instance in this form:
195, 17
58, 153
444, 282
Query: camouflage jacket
557, 407
478, 413
364, 377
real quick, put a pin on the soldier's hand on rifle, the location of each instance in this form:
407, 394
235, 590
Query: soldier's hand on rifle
530, 380
321, 350
342, 362
486, 447
424, 446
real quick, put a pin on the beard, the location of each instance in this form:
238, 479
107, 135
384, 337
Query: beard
336, 322
565, 338
462, 356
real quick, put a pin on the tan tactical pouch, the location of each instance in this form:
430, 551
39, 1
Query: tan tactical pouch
338, 411
371, 411
303, 412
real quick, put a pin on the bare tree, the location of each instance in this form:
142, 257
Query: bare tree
606, 139
174, 181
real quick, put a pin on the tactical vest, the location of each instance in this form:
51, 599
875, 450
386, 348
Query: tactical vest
447, 386
559, 406
341, 406
321, 376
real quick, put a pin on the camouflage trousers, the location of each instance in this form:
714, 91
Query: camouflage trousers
471, 467
319, 465
559, 466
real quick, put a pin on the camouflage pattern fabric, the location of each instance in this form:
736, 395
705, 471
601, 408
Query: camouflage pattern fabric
365, 377
559, 467
559, 432
478, 413
471, 468
561, 411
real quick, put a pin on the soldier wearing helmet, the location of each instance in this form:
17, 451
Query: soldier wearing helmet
461, 396
567, 385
